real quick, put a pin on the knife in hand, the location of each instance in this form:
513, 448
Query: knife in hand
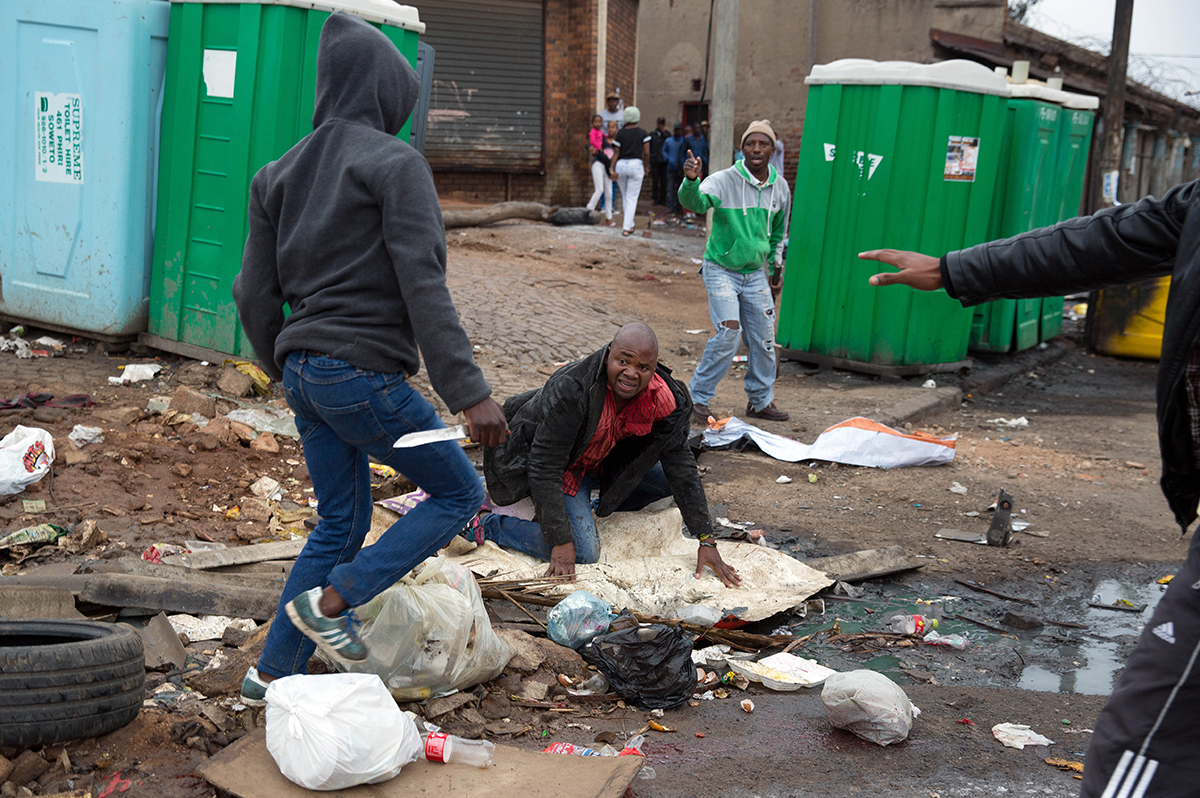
458, 432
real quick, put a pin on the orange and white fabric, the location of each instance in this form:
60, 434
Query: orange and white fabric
856, 441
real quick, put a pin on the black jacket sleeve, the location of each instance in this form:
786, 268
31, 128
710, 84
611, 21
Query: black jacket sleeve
679, 467
549, 458
1113, 247
256, 289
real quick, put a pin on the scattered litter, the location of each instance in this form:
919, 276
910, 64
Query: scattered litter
740, 358
157, 551
711, 654
429, 633
402, 504
649, 665
262, 383
1124, 605
276, 422
1015, 735
725, 522
699, 614
869, 705
957, 641
1010, 422
783, 672
812, 479
577, 619
33, 506
266, 488
335, 731
33, 535
136, 372
597, 685
1166, 580
26, 454
929, 384
81, 436
697, 261
695, 332
958, 488
1067, 765
51, 345
783, 479
747, 706
208, 627
856, 441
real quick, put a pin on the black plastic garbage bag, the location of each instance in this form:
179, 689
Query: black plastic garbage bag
650, 665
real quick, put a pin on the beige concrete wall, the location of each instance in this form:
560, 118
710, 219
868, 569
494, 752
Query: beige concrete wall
774, 50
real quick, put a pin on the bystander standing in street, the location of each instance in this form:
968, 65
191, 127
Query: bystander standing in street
629, 165
658, 166
750, 202
672, 153
611, 112
600, 149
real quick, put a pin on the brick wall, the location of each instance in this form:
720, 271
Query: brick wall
622, 48
569, 95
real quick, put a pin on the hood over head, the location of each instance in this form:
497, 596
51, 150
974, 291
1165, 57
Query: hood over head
362, 77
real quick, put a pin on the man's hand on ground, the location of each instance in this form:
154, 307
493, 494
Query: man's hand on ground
562, 561
692, 167
916, 270
486, 422
709, 556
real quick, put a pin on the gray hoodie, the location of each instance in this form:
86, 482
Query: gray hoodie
345, 228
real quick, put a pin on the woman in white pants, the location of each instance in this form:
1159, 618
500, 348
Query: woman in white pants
601, 149
630, 164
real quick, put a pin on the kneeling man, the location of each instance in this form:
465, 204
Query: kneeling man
616, 420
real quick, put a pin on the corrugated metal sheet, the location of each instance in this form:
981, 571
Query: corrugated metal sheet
486, 110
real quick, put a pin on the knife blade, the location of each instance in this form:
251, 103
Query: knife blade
455, 433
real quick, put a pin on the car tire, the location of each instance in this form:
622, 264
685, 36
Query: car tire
65, 680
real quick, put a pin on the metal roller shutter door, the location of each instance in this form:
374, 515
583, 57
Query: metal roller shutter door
486, 109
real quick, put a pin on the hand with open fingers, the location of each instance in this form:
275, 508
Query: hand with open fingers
916, 270
562, 561
708, 556
691, 167
487, 423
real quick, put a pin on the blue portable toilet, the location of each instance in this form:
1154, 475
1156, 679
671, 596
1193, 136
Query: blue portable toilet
80, 102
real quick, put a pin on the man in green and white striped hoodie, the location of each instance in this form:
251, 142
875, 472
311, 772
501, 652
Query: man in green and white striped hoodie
750, 202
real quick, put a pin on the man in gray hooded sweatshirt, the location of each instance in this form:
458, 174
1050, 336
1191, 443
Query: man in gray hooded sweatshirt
345, 229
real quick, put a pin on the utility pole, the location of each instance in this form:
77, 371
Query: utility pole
1114, 109
721, 133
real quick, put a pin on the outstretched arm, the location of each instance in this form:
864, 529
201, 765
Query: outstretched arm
916, 270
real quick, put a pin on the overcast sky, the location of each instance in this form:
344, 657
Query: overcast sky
1159, 26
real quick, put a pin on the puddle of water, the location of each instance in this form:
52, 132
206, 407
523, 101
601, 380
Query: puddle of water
1056, 659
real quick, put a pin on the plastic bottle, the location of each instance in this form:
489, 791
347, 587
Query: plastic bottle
441, 747
568, 748
912, 624
954, 641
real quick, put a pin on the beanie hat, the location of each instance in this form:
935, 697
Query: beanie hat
759, 126
632, 114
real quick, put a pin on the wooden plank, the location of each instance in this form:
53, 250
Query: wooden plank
865, 564
127, 590
259, 552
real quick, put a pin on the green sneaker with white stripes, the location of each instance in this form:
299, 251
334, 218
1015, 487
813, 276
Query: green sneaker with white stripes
337, 637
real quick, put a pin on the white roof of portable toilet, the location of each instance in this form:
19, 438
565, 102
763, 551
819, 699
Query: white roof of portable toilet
385, 12
955, 74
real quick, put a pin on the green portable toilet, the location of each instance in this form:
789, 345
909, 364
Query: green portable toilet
1041, 174
897, 155
240, 91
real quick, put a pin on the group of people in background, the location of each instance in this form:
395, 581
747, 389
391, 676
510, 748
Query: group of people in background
622, 153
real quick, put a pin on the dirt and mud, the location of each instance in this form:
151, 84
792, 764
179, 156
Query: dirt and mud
1083, 473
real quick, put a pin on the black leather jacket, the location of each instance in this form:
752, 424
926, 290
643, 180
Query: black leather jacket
1150, 238
548, 430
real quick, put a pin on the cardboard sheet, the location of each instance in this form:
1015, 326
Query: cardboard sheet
246, 769
647, 565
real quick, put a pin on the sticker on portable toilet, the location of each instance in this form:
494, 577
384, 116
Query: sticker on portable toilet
58, 137
830, 151
220, 69
962, 156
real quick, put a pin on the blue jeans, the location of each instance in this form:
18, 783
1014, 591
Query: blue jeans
746, 299
343, 414
526, 536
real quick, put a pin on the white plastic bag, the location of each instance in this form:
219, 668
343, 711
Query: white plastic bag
869, 705
578, 618
334, 731
25, 457
429, 633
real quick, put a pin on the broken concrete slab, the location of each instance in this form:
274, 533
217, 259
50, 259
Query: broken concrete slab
203, 560
36, 601
72, 583
246, 769
234, 383
191, 402
161, 643
530, 652
27, 767
127, 590
440, 706
856, 566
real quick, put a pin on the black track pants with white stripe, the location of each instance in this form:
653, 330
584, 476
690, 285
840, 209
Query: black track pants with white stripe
1147, 738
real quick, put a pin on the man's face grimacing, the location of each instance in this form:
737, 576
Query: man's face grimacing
758, 150
630, 367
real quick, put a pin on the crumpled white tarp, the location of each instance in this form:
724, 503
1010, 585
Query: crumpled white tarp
1017, 735
647, 565
856, 441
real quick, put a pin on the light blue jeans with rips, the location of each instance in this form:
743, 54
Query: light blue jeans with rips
746, 299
